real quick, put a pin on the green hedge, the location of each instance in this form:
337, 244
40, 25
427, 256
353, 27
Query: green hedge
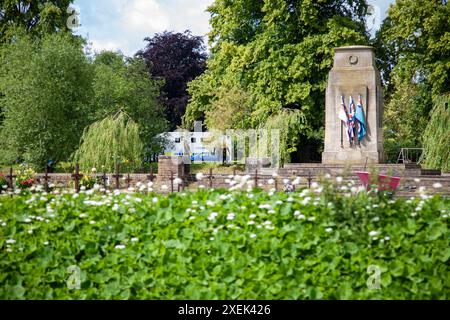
301, 246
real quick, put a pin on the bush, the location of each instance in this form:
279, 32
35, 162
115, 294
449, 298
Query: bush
25, 177
3, 182
224, 245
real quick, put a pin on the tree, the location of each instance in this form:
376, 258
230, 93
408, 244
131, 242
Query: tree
178, 58
229, 110
280, 53
124, 84
36, 17
113, 140
413, 50
436, 138
47, 89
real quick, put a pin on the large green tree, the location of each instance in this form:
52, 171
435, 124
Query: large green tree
122, 83
280, 53
36, 17
413, 49
47, 89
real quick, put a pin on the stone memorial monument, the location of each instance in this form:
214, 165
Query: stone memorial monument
354, 109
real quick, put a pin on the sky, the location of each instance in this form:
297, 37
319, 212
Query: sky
123, 24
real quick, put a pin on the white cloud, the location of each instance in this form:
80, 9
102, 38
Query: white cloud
144, 16
123, 24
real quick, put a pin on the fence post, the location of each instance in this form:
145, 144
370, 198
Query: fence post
276, 183
46, 180
171, 181
210, 178
11, 177
76, 176
309, 179
104, 178
256, 178
128, 180
151, 176
117, 176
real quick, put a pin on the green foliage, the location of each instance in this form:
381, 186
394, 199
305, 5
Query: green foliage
230, 110
121, 83
36, 17
149, 247
413, 51
46, 87
280, 53
112, 140
25, 177
405, 117
436, 139
3, 182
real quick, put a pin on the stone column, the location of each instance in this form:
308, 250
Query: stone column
354, 74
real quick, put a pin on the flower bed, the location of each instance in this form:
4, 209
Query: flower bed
3, 183
315, 244
25, 178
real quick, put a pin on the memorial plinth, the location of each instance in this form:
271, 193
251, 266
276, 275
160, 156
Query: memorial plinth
355, 75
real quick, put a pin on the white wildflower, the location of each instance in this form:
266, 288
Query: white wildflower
120, 246
134, 239
373, 233
253, 236
199, 176
329, 230
339, 179
10, 241
437, 185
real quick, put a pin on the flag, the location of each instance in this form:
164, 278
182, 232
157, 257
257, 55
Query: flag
359, 115
343, 114
351, 120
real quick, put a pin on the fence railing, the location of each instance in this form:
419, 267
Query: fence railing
113, 180
409, 155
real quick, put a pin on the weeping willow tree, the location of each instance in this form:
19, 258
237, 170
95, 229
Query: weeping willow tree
112, 140
436, 139
288, 122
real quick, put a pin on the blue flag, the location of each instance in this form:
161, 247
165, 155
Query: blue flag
359, 115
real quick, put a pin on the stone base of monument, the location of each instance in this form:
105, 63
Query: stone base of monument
253, 163
352, 157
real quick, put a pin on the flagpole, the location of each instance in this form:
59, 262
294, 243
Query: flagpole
342, 135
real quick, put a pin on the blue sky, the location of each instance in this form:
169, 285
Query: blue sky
123, 24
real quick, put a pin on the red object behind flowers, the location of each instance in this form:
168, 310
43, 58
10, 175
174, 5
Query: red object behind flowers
384, 182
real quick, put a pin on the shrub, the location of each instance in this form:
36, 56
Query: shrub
3, 182
25, 177
224, 245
